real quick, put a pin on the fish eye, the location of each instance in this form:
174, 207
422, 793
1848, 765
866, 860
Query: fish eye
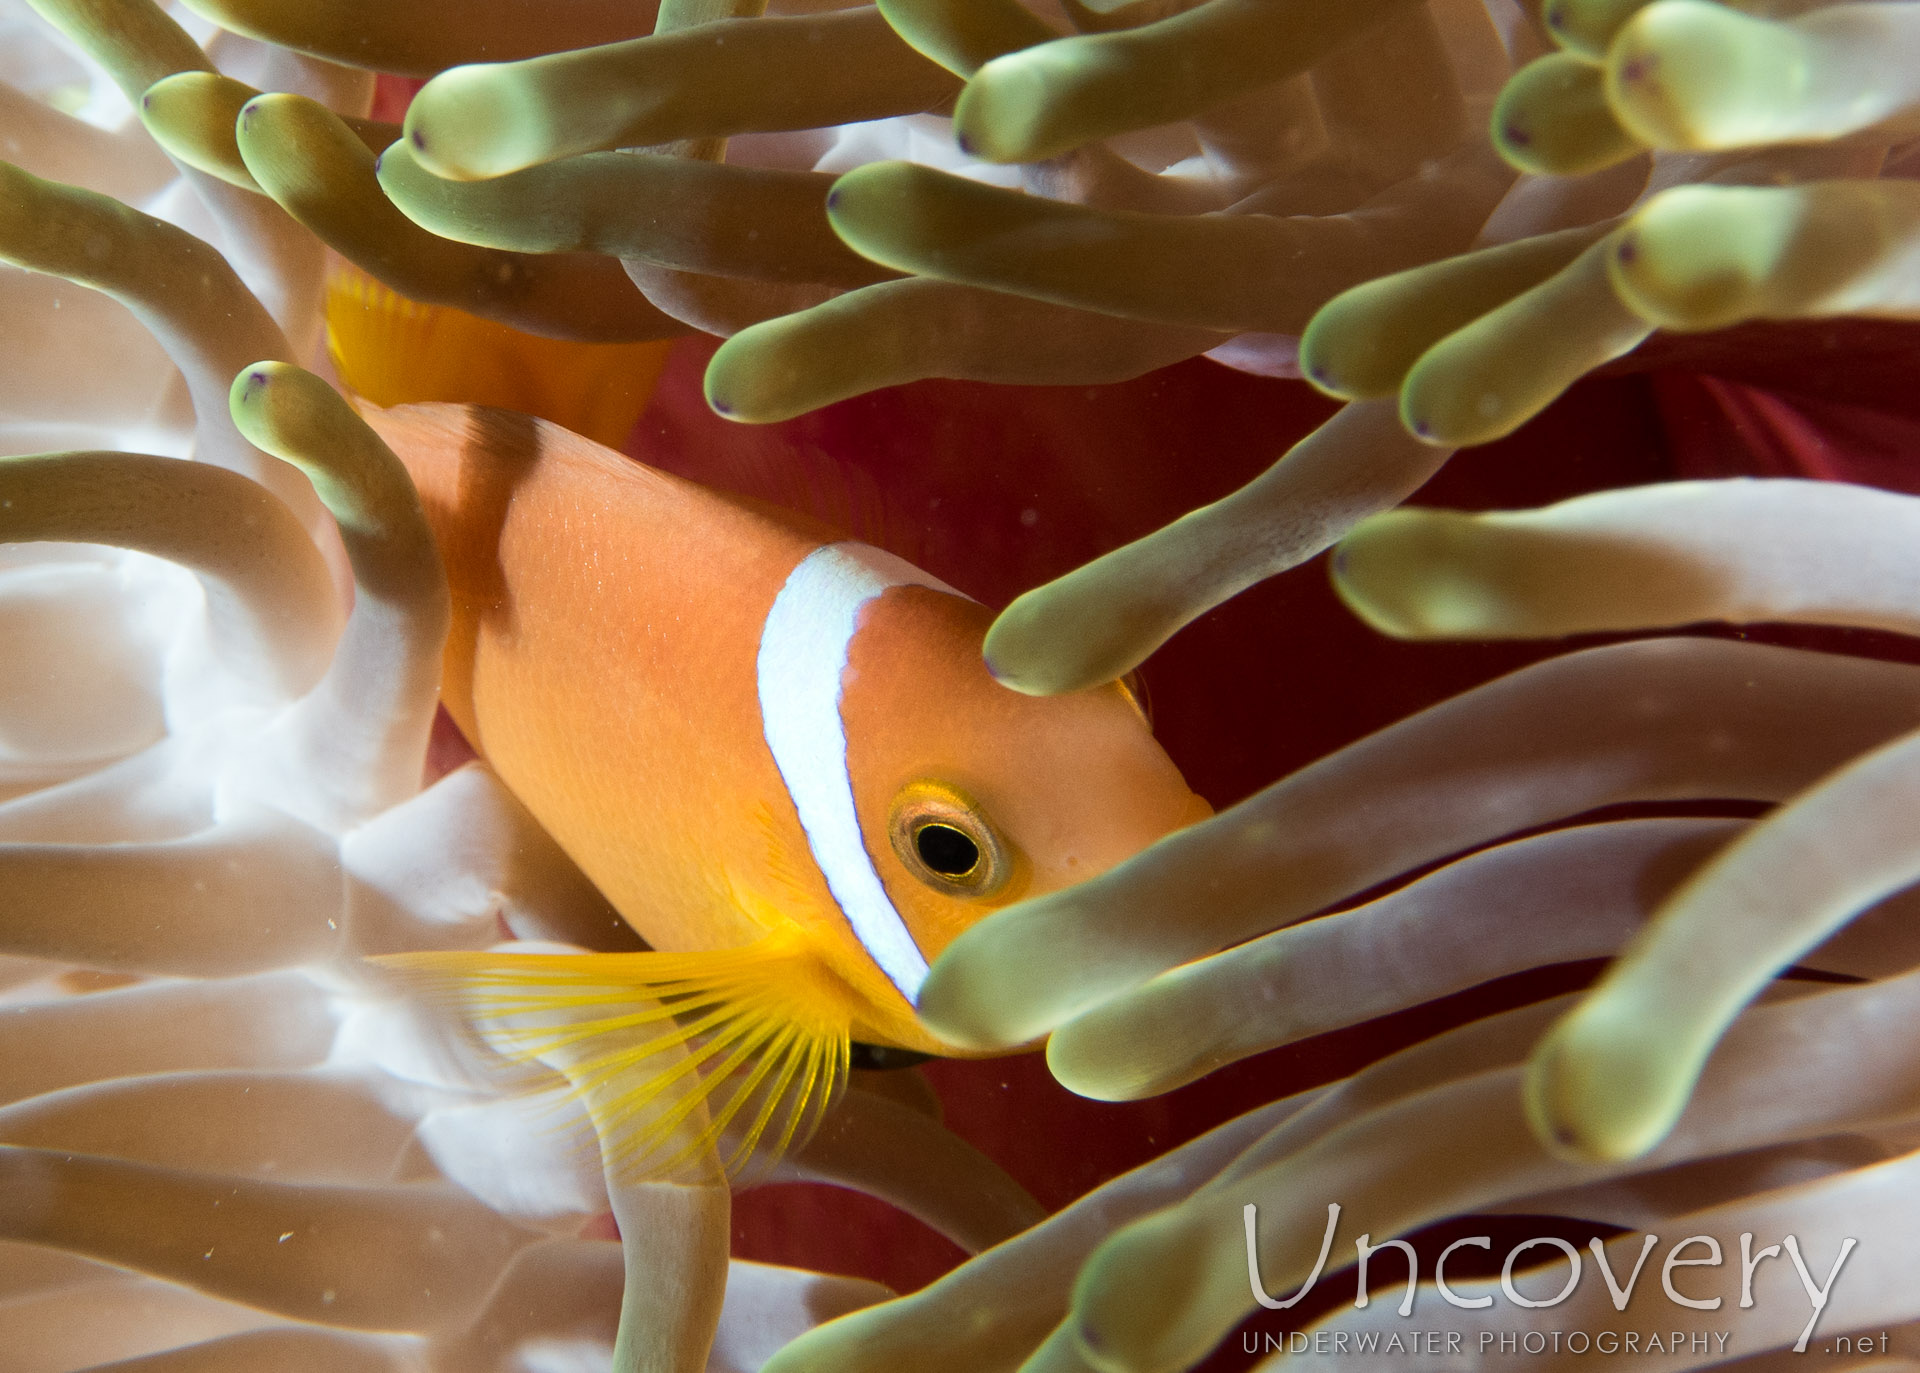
946, 850
944, 840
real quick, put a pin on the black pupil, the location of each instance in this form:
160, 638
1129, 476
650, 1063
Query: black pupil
946, 850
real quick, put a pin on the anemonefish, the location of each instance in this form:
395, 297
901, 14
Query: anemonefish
776, 752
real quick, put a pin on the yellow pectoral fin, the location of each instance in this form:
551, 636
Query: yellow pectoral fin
690, 1064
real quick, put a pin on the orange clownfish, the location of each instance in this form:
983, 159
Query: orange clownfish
777, 754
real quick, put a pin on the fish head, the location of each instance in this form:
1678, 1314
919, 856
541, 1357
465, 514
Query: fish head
971, 795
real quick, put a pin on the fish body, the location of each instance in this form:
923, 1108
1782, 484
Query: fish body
770, 748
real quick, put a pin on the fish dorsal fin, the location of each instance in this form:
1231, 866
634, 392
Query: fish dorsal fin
396, 351
689, 1064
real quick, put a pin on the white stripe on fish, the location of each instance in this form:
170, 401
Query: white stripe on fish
804, 647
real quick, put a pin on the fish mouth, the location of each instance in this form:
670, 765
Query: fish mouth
884, 1058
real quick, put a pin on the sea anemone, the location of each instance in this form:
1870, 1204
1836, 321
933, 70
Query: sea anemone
1076, 207
227, 1143
1619, 226
1649, 1105
1807, 1090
